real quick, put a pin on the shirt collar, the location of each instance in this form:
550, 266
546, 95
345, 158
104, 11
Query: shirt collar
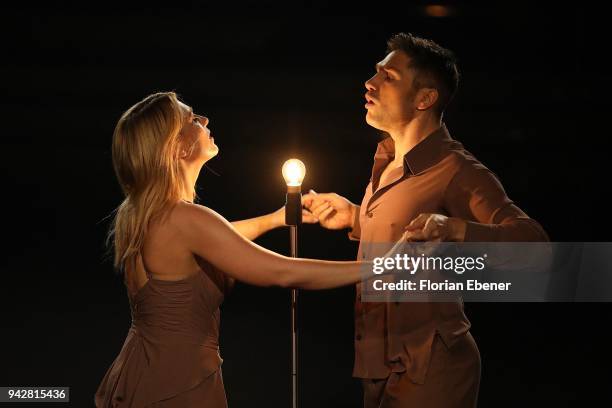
425, 154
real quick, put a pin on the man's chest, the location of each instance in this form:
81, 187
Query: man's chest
387, 210
389, 173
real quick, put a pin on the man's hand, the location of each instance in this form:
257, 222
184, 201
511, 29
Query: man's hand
333, 211
435, 227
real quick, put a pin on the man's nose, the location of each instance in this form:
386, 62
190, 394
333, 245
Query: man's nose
206, 121
369, 84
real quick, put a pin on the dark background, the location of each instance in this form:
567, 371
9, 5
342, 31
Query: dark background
281, 81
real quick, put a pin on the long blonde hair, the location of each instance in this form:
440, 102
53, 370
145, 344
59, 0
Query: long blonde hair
145, 154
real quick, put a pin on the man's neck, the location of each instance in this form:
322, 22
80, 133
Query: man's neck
411, 134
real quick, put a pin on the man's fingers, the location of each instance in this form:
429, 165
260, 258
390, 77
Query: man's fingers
323, 196
310, 202
326, 213
313, 199
308, 217
316, 211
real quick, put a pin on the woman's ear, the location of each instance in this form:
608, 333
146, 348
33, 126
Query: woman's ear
182, 153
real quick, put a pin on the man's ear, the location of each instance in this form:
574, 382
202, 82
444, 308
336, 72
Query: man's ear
426, 98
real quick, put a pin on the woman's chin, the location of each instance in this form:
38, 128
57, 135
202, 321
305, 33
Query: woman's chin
211, 153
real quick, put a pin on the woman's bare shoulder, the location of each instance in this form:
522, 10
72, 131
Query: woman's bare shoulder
187, 216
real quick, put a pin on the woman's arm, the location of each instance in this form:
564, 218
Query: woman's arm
212, 237
254, 227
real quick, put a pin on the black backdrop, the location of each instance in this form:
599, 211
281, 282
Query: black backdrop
278, 82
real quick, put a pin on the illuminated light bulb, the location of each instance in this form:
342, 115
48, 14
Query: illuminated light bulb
294, 172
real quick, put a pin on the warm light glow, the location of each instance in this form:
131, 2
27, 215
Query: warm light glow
436, 10
294, 172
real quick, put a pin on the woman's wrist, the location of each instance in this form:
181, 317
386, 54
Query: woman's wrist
275, 219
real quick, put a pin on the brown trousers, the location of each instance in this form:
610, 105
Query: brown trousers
452, 381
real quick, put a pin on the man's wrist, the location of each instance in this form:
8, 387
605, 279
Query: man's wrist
458, 228
353, 218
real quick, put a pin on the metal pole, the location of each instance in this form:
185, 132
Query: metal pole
294, 330
293, 218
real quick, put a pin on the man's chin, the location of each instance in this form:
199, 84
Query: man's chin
372, 121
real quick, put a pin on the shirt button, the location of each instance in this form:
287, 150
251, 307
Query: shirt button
358, 337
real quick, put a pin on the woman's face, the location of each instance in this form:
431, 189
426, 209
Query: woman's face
197, 143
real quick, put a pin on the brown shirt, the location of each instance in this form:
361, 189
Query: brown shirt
439, 176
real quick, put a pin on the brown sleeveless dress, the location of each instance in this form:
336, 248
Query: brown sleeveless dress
170, 357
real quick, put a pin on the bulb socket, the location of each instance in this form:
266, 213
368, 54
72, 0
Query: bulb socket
293, 206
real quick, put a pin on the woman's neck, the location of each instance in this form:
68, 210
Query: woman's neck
191, 171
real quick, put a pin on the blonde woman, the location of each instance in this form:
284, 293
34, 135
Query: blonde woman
178, 258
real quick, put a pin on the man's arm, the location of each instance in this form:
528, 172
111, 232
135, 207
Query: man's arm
333, 212
355, 232
477, 196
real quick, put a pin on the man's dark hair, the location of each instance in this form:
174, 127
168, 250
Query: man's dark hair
434, 66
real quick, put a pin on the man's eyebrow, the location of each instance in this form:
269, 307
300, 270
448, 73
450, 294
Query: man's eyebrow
390, 69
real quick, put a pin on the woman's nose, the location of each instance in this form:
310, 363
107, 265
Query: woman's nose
203, 120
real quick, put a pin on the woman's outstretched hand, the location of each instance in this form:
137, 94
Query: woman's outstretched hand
278, 217
435, 228
254, 227
399, 247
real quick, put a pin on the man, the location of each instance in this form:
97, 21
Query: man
411, 354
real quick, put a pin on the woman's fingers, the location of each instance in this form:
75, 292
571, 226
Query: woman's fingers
418, 222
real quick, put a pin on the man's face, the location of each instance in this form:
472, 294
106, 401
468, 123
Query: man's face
390, 96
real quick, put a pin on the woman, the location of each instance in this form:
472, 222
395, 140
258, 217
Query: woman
171, 252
